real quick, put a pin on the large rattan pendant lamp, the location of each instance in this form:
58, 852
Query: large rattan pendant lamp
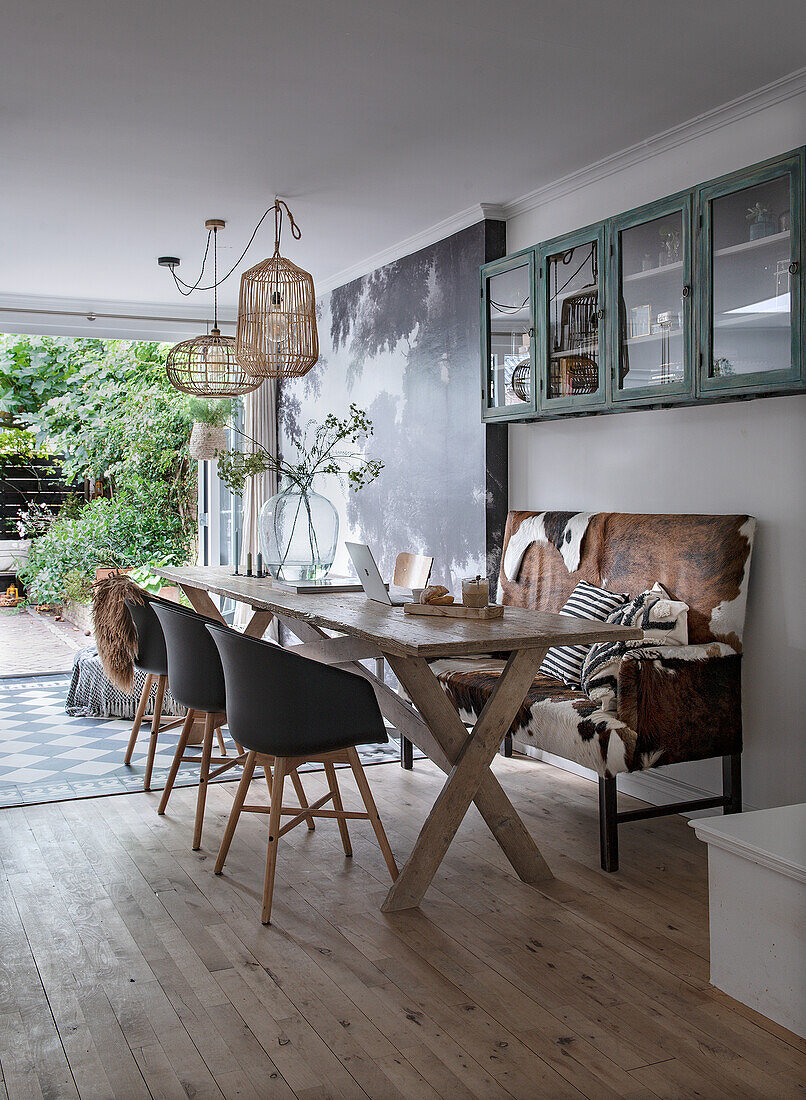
207, 366
276, 335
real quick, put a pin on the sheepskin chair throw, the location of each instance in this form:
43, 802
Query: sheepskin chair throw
115, 633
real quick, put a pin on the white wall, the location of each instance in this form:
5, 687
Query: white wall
737, 457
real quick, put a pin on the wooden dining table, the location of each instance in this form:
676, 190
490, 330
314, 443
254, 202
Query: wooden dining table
364, 629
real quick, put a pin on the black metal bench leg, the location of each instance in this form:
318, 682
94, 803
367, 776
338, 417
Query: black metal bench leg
608, 824
406, 753
732, 783
506, 745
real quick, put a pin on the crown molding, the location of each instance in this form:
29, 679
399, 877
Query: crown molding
480, 211
787, 87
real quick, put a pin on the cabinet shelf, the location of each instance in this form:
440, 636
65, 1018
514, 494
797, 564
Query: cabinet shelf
651, 338
591, 350
750, 246
664, 269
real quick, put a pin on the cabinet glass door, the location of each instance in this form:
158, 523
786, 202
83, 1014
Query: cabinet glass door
508, 337
571, 321
652, 273
751, 292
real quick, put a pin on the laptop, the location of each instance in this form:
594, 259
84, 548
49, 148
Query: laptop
369, 575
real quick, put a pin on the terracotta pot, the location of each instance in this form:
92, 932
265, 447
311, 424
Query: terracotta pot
102, 572
206, 440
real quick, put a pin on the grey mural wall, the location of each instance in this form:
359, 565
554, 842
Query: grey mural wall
403, 343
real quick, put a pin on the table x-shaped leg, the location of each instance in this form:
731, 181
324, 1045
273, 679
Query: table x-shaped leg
437, 712
472, 756
201, 602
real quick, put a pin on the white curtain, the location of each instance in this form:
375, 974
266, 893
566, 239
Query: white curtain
260, 423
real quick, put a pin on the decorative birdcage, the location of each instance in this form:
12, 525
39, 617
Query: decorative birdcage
277, 335
521, 380
579, 324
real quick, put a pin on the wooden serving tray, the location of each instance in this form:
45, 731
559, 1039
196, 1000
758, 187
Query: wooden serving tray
455, 610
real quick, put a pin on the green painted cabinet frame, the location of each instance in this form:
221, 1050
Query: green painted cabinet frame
524, 258
791, 166
668, 393
569, 403
697, 387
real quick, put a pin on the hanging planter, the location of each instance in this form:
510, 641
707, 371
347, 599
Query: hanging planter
207, 440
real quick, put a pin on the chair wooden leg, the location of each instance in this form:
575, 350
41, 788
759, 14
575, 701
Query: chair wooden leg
201, 795
138, 718
274, 829
155, 729
221, 742
372, 810
235, 812
303, 801
406, 753
177, 760
608, 823
335, 794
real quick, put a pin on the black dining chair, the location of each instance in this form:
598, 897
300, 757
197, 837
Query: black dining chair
197, 682
287, 710
152, 659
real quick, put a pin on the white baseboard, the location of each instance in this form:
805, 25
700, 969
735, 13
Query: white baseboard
654, 787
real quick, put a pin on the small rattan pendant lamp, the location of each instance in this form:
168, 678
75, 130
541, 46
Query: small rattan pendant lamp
207, 366
276, 335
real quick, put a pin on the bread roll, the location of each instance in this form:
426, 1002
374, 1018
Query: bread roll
433, 592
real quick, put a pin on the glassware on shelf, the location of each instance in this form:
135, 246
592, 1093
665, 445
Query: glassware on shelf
651, 337
750, 306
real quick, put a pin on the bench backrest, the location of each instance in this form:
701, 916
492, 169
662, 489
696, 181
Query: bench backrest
703, 560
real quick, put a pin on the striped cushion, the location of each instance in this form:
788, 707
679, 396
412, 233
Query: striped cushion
564, 662
664, 622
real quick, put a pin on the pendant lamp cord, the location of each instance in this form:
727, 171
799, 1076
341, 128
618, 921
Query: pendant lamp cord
215, 277
186, 289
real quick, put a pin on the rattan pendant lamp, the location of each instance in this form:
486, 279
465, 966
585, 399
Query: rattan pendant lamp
207, 366
276, 335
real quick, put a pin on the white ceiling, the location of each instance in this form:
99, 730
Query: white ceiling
125, 124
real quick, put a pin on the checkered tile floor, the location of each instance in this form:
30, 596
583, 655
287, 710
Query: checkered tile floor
46, 756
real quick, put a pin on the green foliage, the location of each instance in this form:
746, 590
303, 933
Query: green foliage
211, 411
19, 443
318, 451
32, 370
115, 414
107, 409
130, 530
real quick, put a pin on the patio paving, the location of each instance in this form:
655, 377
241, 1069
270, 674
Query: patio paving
32, 643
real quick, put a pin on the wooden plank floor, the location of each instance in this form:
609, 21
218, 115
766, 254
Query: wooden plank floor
128, 969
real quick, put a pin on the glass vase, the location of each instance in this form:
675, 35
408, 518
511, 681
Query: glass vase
298, 535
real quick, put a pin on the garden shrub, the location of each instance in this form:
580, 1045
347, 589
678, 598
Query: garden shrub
107, 409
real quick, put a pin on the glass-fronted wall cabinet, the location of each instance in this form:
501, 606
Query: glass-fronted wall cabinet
696, 297
651, 318
507, 336
751, 242
571, 314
